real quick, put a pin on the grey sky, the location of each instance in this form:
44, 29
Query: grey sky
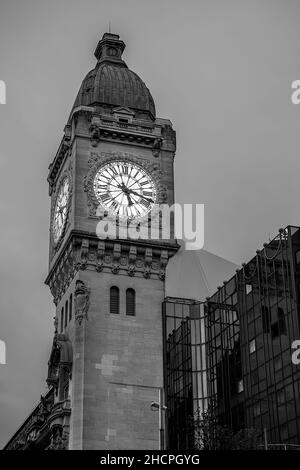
220, 70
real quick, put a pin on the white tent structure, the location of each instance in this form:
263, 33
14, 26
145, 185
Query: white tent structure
196, 274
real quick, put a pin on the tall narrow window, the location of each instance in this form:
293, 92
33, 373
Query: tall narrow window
130, 302
114, 300
66, 315
62, 320
266, 320
70, 307
281, 322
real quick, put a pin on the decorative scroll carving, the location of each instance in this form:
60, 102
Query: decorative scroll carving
116, 258
100, 256
131, 270
163, 263
148, 263
82, 263
82, 301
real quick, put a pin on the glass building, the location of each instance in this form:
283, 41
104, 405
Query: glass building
185, 368
234, 351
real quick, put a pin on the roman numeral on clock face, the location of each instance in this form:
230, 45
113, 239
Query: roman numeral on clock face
114, 205
105, 197
145, 203
113, 170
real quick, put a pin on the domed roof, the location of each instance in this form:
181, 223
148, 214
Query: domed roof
112, 83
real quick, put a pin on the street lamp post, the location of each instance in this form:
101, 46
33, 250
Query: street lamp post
158, 406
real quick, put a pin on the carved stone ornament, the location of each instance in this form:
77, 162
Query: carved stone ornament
131, 270
95, 135
35, 426
157, 144
115, 268
59, 439
130, 132
82, 301
59, 364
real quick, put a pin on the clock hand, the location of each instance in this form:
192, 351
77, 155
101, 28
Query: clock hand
115, 186
140, 195
130, 203
121, 203
137, 181
129, 176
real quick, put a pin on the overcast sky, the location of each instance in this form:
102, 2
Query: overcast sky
220, 70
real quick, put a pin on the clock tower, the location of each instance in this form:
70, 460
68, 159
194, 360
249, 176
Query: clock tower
115, 161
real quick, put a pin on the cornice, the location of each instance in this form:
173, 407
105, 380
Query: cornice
105, 128
84, 251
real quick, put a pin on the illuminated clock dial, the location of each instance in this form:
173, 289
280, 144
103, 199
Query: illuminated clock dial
61, 210
125, 189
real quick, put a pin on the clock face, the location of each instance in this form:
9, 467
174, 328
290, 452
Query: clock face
125, 189
61, 210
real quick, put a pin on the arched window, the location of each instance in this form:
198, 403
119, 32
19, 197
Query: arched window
70, 307
66, 315
62, 320
114, 299
130, 302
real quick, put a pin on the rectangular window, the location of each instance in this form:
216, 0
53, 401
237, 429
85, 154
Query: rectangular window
70, 307
284, 432
252, 346
254, 377
281, 397
248, 288
66, 315
266, 319
240, 386
277, 363
62, 320
275, 330
256, 409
